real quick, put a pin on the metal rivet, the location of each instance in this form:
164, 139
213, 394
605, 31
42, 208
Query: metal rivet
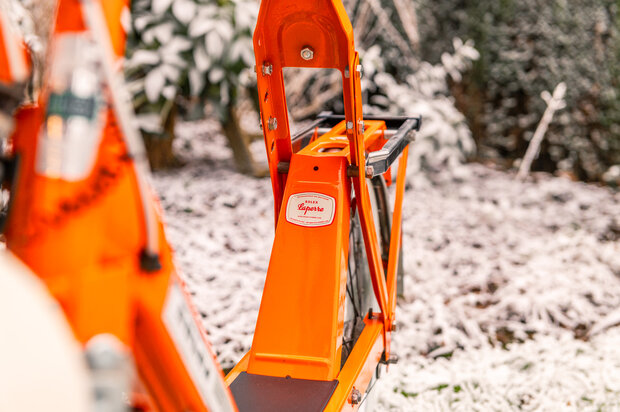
307, 53
349, 125
272, 124
267, 69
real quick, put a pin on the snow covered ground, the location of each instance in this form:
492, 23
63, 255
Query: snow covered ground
512, 289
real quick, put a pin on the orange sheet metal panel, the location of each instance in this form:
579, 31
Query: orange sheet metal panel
299, 326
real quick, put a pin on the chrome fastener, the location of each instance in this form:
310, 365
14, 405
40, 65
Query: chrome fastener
307, 53
272, 124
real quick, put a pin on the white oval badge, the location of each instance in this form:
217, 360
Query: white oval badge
310, 209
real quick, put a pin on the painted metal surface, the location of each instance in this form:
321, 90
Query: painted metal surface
84, 236
299, 327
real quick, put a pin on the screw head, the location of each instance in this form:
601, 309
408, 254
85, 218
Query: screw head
307, 53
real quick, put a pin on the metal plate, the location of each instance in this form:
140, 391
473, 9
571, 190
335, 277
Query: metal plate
259, 393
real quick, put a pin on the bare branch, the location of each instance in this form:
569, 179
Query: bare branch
554, 103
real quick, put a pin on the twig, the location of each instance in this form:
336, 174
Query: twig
384, 20
554, 103
407, 13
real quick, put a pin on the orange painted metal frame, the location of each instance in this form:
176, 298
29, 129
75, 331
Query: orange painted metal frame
300, 324
84, 239
14, 59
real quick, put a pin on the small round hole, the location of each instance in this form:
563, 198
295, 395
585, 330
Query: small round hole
316, 168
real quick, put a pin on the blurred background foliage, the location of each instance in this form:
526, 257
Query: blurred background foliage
527, 47
192, 57
200, 51
475, 69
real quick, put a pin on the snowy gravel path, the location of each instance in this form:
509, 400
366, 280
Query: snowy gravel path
491, 263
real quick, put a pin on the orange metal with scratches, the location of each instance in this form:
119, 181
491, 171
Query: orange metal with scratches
84, 238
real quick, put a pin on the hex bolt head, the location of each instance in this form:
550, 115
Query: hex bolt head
307, 53
349, 125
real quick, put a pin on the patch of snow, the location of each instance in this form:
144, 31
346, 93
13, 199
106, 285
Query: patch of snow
504, 278
543, 374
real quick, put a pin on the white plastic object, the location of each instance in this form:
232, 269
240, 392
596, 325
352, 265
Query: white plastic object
41, 364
